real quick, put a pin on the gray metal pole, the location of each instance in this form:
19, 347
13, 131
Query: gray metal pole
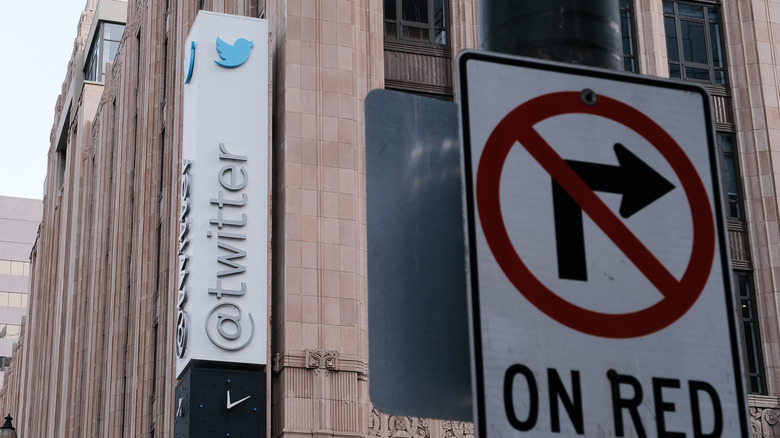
585, 32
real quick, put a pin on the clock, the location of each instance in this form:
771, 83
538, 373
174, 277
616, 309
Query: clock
220, 402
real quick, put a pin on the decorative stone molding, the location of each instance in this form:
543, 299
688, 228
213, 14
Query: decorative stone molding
408, 427
375, 423
457, 429
399, 426
763, 423
322, 359
302, 359
764, 416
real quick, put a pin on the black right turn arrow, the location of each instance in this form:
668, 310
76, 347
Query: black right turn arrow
639, 184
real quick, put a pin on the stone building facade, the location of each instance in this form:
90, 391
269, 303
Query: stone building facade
96, 355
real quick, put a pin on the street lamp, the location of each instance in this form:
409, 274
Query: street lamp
7, 429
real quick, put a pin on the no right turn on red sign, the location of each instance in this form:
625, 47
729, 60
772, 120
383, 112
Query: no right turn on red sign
601, 297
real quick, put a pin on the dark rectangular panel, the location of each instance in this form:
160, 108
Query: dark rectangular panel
418, 321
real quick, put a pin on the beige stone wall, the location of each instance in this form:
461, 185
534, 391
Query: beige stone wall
753, 33
327, 55
651, 45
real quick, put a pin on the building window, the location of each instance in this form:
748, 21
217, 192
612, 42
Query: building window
694, 43
11, 267
416, 21
5, 362
13, 299
731, 181
103, 50
629, 36
752, 341
9, 331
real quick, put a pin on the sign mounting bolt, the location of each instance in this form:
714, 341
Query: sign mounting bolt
588, 96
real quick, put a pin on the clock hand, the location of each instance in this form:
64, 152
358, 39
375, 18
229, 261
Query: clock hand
230, 405
179, 411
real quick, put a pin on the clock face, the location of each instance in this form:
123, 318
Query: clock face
215, 402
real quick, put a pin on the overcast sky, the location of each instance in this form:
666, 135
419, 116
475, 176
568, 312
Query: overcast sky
39, 39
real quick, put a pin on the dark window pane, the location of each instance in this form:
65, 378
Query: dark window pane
92, 71
726, 144
690, 11
694, 44
755, 384
415, 10
697, 74
712, 14
731, 178
628, 37
391, 31
735, 210
745, 287
720, 77
717, 49
731, 188
625, 26
747, 311
731, 185
751, 347
751, 340
694, 40
671, 39
389, 10
416, 33
418, 21
674, 71
439, 14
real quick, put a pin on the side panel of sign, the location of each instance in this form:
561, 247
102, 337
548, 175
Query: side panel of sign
416, 254
601, 297
223, 239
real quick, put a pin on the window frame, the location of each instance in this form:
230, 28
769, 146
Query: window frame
738, 201
754, 366
95, 64
433, 29
708, 44
627, 11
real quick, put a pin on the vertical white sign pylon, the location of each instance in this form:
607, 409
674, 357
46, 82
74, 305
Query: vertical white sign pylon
223, 243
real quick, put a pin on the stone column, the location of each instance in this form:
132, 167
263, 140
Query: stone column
327, 54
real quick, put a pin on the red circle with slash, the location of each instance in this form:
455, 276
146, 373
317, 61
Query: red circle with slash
678, 295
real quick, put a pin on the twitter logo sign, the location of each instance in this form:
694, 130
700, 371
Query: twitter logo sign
233, 55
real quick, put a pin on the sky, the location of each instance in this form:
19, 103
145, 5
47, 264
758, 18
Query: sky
39, 37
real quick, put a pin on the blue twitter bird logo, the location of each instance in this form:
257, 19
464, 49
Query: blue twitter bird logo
233, 55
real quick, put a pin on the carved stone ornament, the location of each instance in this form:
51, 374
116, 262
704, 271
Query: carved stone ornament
408, 427
457, 429
322, 359
399, 426
374, 423
764, 422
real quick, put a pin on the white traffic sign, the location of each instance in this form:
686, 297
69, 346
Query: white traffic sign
601, 296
